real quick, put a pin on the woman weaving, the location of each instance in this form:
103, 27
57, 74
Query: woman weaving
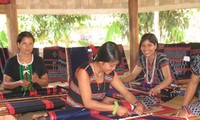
156, 69
92, 81
25, 71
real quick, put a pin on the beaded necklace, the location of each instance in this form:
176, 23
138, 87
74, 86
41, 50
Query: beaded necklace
152, 74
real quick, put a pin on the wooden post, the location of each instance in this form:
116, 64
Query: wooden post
133, 27
12, 26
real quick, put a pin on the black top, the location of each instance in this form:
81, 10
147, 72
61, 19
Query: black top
12, 69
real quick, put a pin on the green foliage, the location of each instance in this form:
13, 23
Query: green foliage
53, 28
3, 40
114, 31
173, 25
145, 22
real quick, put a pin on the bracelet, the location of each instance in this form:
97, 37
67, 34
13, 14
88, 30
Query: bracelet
116, 105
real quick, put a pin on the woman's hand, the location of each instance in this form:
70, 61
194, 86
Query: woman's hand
155, 91
24, 83
123, 112
35, 78
139, 108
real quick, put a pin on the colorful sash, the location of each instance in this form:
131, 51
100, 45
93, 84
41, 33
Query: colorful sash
26, 74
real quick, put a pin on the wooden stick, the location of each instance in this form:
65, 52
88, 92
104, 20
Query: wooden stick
138, 116
146, 93
31, 98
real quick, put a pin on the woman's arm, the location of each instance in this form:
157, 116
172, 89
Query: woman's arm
166, 82
42, 81
118, 85
191, 88
86, 95
8, 84
131, 77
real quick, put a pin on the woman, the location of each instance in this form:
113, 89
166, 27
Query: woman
188, 109
25, 71
92, 81
155, 67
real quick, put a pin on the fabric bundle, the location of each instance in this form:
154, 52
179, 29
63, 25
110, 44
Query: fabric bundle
35, 105
31, 93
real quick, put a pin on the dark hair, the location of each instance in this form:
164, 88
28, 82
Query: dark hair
24, 34
108, 52
150, 37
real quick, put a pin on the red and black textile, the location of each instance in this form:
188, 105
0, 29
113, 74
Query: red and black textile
5, 2
178, 55
76, 57
32, 93
84, 114
3, 58
55, 60
35, 105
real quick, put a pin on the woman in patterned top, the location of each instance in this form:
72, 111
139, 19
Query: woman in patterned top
25, 71
92, 81
154, 65
188, 109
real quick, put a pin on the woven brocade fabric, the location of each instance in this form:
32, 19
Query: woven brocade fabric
3, 59
177, 53
55, 61
76, 57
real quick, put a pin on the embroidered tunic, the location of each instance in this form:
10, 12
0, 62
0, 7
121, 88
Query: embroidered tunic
98, 89
18, 72
158, 77
161, 61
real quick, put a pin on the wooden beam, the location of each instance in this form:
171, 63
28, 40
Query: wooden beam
12, 26
2, 9
133, 27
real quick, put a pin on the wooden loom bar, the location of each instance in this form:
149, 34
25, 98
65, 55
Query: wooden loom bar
30, 98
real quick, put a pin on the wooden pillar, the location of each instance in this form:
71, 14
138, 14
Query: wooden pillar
12, 27
133, 27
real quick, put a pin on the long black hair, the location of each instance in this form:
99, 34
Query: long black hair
108, 52
24, 34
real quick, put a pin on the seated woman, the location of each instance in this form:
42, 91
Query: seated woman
156, 69
92, 81
25, 71
188, 109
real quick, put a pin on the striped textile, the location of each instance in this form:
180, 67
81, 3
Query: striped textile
34, 105
31, 93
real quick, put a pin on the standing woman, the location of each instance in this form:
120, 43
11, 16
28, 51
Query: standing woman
155, 67
92, 81
25, 71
